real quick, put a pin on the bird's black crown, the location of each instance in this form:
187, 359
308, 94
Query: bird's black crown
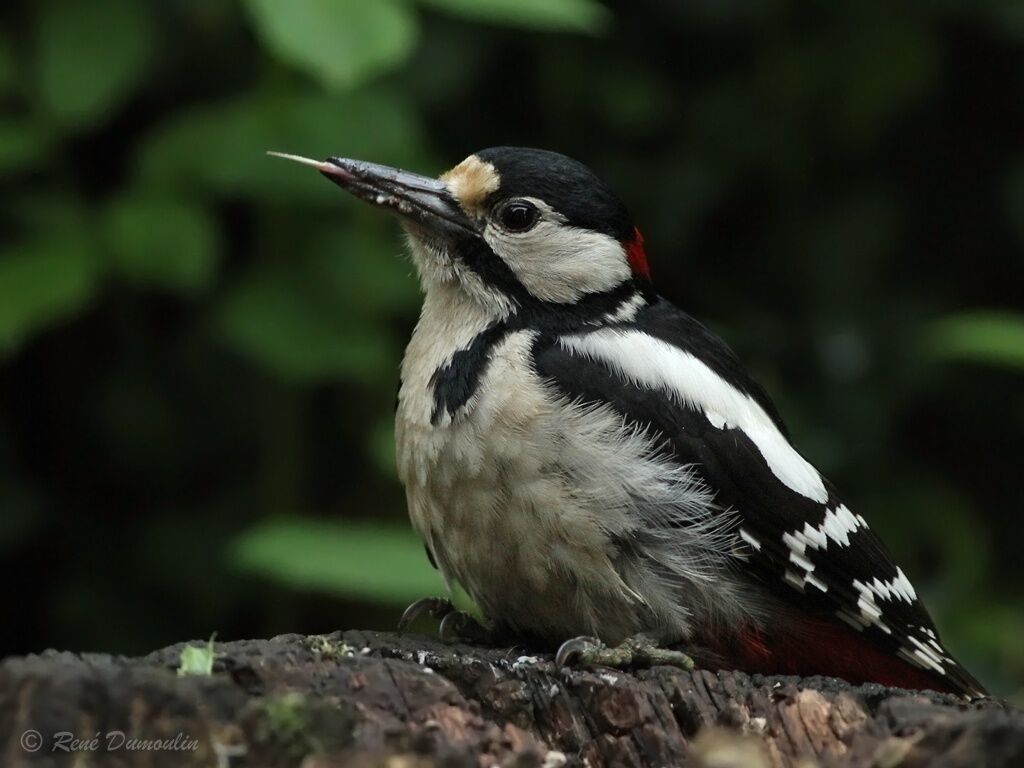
565, 184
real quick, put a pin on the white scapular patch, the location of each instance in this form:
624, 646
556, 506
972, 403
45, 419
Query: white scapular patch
655, 364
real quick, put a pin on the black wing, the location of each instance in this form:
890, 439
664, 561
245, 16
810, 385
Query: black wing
813, 551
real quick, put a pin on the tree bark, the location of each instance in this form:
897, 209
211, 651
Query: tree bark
369, 699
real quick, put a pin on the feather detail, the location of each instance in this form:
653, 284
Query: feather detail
825, 646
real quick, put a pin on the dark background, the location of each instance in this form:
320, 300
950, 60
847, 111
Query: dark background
199, 344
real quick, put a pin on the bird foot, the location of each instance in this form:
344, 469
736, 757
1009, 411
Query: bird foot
455, 625
634, 652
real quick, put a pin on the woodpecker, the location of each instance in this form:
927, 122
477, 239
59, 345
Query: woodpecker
592, 465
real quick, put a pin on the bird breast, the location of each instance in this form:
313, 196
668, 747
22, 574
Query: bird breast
524, 498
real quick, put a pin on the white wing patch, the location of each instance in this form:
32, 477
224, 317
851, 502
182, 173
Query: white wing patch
800, 582
836, 529
928, 654
898, 588
797, 556
655, 364
838, 524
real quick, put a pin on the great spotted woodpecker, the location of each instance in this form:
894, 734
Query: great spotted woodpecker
586, 459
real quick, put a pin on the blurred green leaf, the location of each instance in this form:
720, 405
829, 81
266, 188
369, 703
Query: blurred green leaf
376, 562
22, 144
562, 15
48, 209
42, 282
222, 147
981, 337
91, 55
340, 42
197, 660
293, 330
162, 242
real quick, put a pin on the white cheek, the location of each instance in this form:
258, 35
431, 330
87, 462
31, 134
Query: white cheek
559, 263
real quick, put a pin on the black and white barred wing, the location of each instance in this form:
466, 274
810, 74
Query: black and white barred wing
671, 375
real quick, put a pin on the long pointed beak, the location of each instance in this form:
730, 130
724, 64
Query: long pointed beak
419, 199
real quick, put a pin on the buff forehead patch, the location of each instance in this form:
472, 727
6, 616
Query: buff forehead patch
470, 182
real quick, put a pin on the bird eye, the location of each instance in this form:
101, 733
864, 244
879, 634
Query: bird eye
518, 216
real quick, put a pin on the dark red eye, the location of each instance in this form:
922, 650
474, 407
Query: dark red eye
518, 216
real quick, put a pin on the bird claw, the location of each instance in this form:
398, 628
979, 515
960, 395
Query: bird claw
634, 652
455, 625
438, 607
575, 650
459, 625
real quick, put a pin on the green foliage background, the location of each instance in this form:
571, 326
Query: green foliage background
199, 345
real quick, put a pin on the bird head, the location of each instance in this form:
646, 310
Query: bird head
512, 227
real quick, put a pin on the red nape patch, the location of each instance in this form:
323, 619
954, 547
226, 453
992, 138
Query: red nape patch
823, 646
637, 256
